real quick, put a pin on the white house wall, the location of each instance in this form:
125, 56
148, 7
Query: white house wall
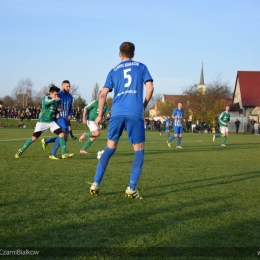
237, 96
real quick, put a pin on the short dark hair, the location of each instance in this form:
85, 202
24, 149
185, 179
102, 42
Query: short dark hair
65, 81
180, 102
127, 49
54, 88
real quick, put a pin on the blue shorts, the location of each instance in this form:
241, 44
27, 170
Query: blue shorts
167, 128
63, 123
178, 130
132, 124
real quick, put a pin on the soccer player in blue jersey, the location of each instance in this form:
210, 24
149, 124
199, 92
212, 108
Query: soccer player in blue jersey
177, 115
166, 122
127, 80
65, 108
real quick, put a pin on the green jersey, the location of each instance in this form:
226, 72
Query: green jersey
224, 118
92, 110
49, 110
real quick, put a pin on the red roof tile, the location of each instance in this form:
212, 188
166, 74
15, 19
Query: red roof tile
249, 82
229, 101
173, 98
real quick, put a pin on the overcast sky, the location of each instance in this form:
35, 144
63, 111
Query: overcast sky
52, 40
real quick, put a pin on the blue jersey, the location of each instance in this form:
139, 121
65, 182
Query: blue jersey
66, 100
127, 80
179, 113
167, 122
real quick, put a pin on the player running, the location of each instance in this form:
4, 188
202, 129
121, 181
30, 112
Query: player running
127, 80
167, 123
65, 107
47, 121
224, 120
90, 113
177, 115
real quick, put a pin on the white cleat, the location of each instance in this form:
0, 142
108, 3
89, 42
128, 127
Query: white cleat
132, 194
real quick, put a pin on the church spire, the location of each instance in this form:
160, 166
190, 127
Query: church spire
202, 76
201, 86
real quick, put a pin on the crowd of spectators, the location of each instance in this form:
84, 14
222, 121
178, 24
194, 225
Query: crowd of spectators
188, 126
153, 124
32, 113
18, 113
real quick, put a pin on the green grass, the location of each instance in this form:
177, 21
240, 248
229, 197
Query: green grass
203, 196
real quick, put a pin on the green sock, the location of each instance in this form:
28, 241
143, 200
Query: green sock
218, 135
27, 144
224, 140
63, 145
87, 135
87, 144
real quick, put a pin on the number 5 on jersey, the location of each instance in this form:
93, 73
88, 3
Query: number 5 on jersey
128, 77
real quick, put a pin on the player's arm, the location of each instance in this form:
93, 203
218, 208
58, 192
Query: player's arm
57, 114
70, 110
101, 103
84, 116
47, 101
174, 114
221, 119
149, 93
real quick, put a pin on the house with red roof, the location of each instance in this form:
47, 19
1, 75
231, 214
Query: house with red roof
246, 97
154, 112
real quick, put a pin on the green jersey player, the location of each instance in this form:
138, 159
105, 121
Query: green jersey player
224, 120
47, 121
90, 113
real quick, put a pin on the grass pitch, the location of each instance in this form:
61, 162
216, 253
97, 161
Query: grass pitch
200, 202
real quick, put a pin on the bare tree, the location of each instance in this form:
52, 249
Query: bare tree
206, 106
8, 101
41, 93
155, 98
74, 91
23, 93
95, 92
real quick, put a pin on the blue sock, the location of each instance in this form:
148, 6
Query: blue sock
102, 164
136, 169
172, 137
50, 140
179, 141
169, 134
56, 146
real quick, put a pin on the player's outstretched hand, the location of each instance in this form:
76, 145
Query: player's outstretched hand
97, 120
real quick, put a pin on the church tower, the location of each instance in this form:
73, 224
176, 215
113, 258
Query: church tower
202, 86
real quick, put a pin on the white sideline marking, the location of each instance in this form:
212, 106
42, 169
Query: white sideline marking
183, 141
22, 139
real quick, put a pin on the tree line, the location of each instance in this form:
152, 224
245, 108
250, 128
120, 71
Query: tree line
23, 95
203, 106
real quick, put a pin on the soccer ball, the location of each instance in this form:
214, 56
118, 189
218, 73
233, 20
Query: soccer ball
99, 153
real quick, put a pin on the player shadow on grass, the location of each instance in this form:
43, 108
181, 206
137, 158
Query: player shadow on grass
225, 181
